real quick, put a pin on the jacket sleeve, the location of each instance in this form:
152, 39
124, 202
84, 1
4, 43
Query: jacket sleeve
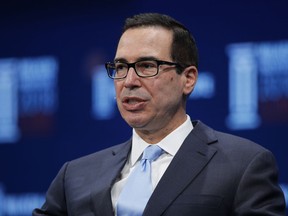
258, 192
55, 203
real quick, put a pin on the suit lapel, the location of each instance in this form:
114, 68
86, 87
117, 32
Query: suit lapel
101, 203
192, 157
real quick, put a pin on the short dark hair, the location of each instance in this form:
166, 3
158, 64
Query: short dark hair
183, 50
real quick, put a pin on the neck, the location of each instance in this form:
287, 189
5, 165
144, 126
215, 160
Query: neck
156, 135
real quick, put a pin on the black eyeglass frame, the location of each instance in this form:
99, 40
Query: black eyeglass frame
129, 65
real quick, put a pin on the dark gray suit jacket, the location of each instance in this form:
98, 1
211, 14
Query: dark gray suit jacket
212, 174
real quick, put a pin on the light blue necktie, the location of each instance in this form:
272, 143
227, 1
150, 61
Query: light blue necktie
138, 188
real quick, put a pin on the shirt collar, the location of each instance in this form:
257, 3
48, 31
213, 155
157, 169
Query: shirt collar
170, 144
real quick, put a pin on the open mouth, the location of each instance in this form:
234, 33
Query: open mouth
133, 103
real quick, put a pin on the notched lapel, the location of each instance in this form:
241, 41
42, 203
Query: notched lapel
101, 203
190, 160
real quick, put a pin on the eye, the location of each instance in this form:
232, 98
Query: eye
147, 65
120, 67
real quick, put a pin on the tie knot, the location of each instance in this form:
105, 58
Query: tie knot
152, 152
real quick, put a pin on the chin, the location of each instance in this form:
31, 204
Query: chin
135, 122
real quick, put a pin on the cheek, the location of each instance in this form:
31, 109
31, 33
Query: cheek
174, 87
117, 88
165, 91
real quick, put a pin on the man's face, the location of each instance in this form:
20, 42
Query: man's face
156, 103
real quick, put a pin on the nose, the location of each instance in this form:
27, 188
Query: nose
132, 79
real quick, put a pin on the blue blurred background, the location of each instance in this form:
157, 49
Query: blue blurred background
57, 104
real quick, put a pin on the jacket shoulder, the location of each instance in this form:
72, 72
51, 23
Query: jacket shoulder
226, 142
101, 155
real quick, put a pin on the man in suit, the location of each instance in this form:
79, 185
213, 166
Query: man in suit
200, 172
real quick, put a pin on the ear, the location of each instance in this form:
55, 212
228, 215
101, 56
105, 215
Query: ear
191, 75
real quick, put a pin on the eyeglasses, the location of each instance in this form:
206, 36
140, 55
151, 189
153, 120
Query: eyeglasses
143, 68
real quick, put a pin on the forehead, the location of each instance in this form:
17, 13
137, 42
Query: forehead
141, 42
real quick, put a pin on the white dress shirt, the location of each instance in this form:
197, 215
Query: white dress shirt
170, 144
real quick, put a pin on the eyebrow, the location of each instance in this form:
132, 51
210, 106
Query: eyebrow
144, 58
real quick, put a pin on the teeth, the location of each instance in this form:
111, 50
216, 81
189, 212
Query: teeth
132, 101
